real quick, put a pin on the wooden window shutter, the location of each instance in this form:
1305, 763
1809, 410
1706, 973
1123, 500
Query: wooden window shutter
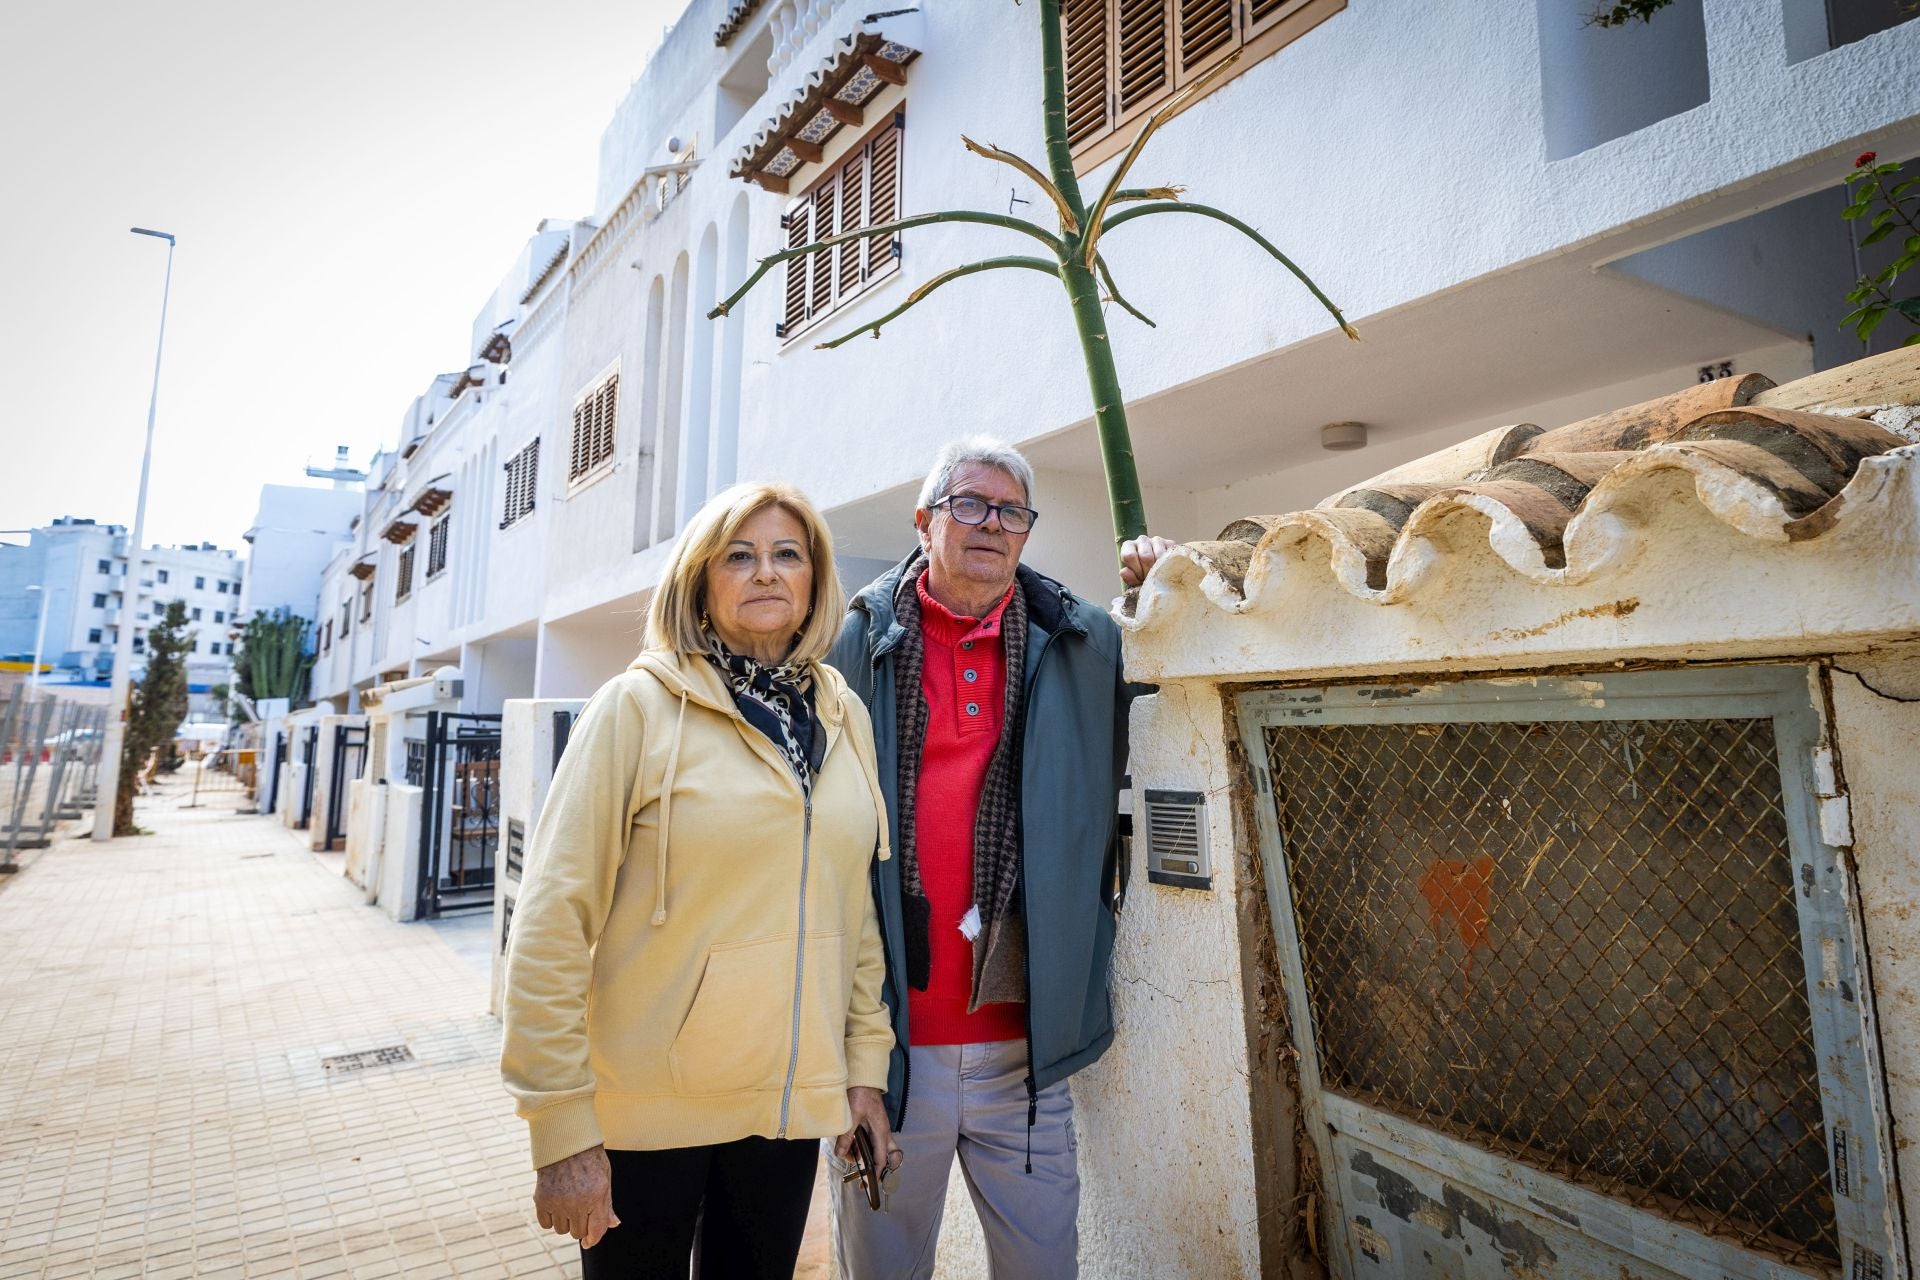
853, 206
820, 272
1206, 34
577, 456
1089, 93
799, 222
609, 406
883, 198
599, 427
1261, 14
1142, 55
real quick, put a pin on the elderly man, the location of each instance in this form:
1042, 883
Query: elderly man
1000, 717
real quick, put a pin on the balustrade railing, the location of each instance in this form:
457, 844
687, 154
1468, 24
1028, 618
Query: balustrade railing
794, 23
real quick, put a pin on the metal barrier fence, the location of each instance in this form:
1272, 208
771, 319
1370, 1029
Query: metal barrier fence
230, 771
49, 767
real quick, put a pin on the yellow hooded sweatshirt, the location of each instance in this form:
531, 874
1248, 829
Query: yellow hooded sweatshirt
694, 956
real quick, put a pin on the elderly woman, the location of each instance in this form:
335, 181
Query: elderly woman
693, 987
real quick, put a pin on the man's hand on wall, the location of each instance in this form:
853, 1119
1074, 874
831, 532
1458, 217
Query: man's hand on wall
1137, 556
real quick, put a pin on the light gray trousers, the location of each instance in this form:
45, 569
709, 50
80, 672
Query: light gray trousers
971, 1101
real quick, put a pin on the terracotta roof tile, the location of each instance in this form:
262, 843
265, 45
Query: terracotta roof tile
843, 77
1776, 473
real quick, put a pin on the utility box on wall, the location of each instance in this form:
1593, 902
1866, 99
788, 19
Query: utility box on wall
533, 736
1177, 839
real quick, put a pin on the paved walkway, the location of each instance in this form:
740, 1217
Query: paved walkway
168, 1003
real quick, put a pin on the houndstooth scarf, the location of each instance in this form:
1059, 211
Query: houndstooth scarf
999, 949
778, 701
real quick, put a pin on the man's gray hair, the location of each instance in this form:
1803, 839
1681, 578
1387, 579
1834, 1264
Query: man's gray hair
967, 450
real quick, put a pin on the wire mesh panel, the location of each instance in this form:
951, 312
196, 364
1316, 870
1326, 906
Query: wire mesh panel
1573, 943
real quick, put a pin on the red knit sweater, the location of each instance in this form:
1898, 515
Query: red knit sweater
964, 679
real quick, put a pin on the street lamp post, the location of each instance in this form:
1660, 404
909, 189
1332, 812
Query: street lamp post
106, 797
39, 642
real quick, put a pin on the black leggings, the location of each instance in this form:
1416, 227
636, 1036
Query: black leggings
748, 1200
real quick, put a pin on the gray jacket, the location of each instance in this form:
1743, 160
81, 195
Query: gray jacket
1072, 757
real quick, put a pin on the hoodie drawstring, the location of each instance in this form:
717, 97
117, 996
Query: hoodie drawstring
666, 817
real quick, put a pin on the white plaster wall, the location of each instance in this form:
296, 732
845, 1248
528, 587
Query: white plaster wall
1163, 1119
365, 833
1876, 725
496, 671
526, 771
399, 869
578, 657
1166, 1146
296, 531
292, 778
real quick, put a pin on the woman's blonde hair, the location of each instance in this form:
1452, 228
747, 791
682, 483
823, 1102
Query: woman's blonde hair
673, 616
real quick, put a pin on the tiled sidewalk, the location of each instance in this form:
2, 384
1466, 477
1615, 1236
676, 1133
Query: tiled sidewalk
165, 1006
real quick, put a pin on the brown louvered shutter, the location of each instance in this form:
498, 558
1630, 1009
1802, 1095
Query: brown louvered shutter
609, 405
1089, 93
883, 198
587, 414
1142, 55
1264, 13
853, 206
1205, 34
799, 221
820, 273
577, 454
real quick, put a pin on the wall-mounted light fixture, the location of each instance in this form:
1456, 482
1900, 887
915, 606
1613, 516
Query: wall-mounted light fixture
1342, 436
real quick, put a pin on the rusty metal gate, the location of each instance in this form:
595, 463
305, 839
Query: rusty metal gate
1576, 984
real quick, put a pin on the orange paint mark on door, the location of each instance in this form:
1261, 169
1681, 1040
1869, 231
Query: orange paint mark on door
1457, 895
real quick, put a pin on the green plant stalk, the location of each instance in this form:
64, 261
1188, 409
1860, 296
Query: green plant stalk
1109, 406
1053, 88
1082, 268
1129, 509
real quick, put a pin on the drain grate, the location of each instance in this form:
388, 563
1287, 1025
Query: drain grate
384, 1056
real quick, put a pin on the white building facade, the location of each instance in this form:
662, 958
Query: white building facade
1529, 218
296, 532
1512, 242
82, 567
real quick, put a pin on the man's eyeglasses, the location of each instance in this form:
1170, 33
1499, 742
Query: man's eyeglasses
976, 510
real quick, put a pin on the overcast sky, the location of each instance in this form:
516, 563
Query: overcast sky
348, 182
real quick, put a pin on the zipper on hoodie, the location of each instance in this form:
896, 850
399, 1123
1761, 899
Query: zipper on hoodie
799, 966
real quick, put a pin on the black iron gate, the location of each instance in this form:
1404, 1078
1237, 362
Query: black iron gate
349, 761
310, 773
278, 757
459, 812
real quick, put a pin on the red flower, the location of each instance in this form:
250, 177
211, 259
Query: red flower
1866, 158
